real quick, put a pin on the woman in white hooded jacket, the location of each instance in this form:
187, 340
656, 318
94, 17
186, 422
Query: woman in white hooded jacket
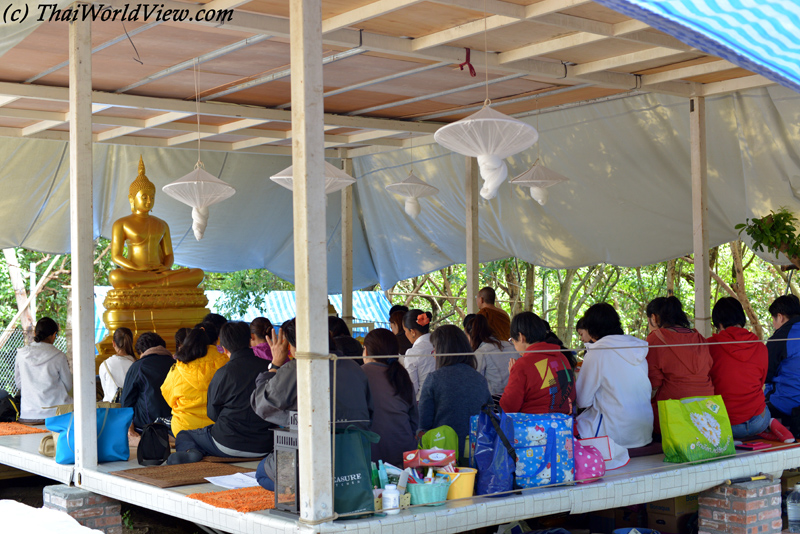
42, 374
613, 386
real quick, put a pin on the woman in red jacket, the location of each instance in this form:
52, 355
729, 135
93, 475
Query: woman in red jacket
675, 371
541, 381
739, 372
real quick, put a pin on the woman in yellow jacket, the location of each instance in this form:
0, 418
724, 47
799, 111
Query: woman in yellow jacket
186, 387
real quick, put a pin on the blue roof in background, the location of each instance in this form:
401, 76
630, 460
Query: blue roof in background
760, 36
279, 306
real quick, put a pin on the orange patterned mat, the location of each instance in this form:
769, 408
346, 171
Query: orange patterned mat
16, 429
241, 500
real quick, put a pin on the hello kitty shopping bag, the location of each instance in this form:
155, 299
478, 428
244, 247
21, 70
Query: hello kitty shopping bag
695, 428
544, 447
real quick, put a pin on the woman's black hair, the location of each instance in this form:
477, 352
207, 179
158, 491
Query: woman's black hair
727, 312
450, 339
348, 346
212, 332
337, 327
261, 327
477, 328
580, 325
382, 342
216, 319
669, 312
602, 320
410, 321
45, 327
289, 330
529, 325
786, 305
180, 336
147, 341
398, 308
235, 335
194, 346
123, 338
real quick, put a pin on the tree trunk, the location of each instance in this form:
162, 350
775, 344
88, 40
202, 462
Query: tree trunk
20, 293
563, 302
671, 277
512, 287
530, 279
738, 269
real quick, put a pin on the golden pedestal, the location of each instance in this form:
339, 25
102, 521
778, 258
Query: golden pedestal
162, 311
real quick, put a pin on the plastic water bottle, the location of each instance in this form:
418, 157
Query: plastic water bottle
793, 509
391, 500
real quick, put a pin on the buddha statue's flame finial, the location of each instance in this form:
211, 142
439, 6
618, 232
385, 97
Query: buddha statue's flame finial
141, 183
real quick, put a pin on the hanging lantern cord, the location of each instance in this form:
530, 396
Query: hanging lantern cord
197, 113
486, 54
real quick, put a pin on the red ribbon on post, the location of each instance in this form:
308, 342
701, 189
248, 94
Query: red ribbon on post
468, 64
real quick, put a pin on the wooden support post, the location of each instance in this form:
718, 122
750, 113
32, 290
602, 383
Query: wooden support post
347, 247
310, 262
473, 269
82, 244
702, 277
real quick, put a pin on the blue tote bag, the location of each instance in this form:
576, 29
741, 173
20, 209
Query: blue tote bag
112, 435
495, 457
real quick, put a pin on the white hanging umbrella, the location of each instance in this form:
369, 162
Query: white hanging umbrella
491, 137
335, 179
539, 178
199, 189
412, 188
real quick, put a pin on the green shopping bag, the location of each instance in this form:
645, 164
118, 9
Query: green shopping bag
353, 471
695, 428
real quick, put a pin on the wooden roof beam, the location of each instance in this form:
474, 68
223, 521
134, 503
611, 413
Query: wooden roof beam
493, 22
736, 84
687, 72
623, 60
369, 11
163, 118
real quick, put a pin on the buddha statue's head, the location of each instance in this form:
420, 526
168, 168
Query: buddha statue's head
142, 191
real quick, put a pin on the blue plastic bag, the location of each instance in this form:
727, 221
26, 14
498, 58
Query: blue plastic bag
112, 435
495, 458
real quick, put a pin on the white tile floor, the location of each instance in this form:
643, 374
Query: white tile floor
642, 480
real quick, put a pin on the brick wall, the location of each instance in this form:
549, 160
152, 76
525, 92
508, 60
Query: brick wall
89, 509
747, 508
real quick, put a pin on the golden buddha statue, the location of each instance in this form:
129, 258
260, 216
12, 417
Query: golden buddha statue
148, 295
149, 261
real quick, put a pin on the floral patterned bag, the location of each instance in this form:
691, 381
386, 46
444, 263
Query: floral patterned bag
695, 428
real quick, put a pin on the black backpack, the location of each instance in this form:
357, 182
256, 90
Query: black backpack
9, 407
154, 446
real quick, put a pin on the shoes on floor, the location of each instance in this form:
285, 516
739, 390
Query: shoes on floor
185, 457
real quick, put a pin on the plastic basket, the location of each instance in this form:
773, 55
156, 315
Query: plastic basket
430, 494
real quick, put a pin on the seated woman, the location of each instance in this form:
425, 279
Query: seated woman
613, 386
275, 394
738, 374
186, 387
396, 323
142, 388
455, 391
491, 354
237, 431
260, 330
416, 325
395, 419
42, 374
114, 368
541, 381
675, 372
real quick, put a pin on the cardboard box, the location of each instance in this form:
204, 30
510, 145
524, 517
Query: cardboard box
789, 479
677, 506
428, 458
601, 522
669, 524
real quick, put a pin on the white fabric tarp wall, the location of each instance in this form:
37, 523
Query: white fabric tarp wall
628, 201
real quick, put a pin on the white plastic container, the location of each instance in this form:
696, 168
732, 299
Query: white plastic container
391, 499
793, 509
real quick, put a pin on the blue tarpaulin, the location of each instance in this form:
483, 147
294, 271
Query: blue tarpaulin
762, 36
